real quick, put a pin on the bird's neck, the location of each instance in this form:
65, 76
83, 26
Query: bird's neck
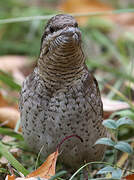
62, 67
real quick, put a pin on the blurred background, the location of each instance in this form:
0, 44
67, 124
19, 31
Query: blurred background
108, 41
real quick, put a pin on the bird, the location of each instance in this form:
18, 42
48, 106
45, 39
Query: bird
61, 97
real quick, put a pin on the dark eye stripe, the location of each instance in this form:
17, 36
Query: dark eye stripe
76, 24
51, 29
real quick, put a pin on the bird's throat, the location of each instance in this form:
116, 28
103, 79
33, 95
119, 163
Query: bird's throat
62, 66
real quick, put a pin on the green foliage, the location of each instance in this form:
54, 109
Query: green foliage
109, 123
123, 146
2, 170
9, 132
8, 80
115, 125
17, 38
4, 152
124, 113
116, 172
112, 124
110, 52
57, 175
106, 141
100, 23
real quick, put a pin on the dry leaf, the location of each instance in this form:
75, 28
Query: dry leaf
113, 105
19, 77
47, 169
83, 6
3, 101
12, 64
125, 19
3, 160
10, 115
7, 139
122, 159
16, 152
129, 177
32, 178
12, 177
8, 177
110, 106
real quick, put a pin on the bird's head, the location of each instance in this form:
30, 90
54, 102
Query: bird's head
62, 32
61, 59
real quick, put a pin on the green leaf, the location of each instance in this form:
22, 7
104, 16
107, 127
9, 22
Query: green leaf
12, 160
124, 121
11, 133
116, 73
106, 141
9, 81
124, 113
123, 146
117, 173
2, 170
105, 41
105, 170
57, 175
109, 123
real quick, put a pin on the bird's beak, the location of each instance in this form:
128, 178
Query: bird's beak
72, 33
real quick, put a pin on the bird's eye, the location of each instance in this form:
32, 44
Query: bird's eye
51, 29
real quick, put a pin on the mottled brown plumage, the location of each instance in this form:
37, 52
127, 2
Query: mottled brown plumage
61, 97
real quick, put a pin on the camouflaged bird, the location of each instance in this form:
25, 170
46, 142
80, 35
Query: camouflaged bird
61, 97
